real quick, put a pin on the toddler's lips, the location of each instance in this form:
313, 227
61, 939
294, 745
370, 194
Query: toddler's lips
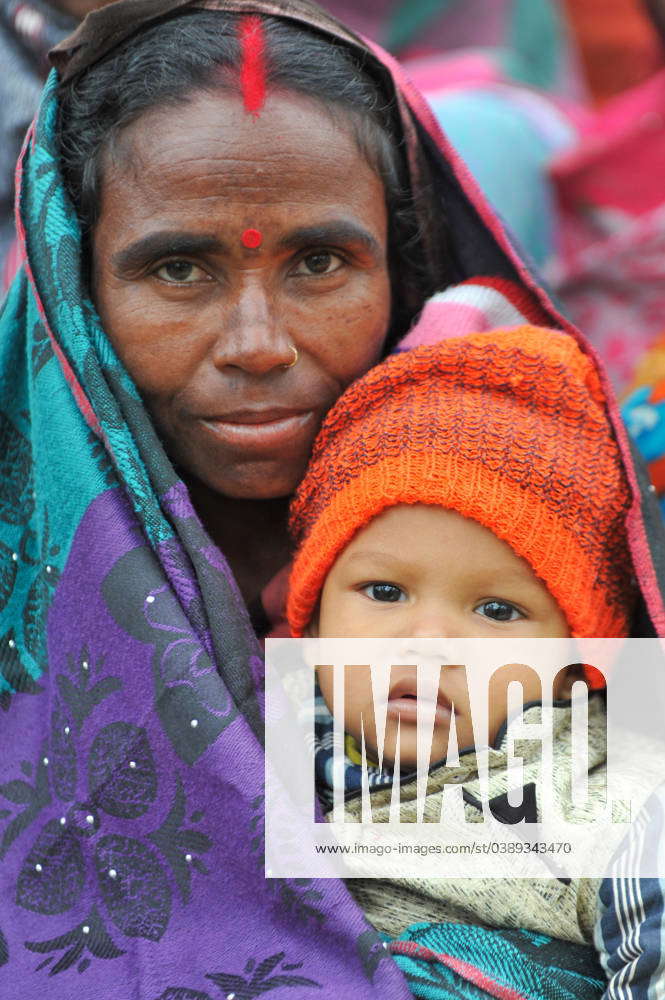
403, 704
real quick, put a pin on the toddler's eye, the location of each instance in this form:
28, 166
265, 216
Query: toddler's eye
387, 593
499, 611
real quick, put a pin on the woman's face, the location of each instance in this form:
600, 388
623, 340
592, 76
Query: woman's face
206, 325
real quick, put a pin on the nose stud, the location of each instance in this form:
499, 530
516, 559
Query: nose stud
295, 358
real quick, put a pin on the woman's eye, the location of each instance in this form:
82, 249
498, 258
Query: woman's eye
181, 272
499, 611
322, 262
387, 593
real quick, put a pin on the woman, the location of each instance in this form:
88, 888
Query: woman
195, 295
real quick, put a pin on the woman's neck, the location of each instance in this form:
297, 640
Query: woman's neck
252, 534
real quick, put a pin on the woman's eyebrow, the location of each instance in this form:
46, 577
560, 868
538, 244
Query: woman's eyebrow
166, 242
334, 232
161, 244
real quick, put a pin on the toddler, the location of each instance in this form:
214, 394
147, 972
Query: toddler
471, 488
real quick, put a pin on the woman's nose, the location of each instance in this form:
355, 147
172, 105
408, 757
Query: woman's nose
251, 337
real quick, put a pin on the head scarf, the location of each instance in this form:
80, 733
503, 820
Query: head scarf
131, 793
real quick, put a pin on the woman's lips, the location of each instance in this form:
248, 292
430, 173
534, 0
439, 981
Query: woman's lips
261, 430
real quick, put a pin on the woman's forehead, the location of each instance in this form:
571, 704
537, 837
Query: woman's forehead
209, 154
286, 123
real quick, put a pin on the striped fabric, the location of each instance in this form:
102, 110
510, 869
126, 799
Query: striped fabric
630, 934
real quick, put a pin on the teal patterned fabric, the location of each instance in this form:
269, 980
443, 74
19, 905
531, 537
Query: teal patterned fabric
70, 411
460, 962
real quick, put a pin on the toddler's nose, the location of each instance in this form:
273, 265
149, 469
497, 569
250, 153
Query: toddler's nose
444, 651
433, 623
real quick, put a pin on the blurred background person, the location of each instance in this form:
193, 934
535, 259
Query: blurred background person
558, 109
28, 29
529, 39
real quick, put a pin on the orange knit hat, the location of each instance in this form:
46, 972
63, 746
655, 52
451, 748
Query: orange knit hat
508, 428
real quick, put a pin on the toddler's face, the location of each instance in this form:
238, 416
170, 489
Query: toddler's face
427, 572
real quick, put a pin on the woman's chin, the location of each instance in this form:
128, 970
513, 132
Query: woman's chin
263, 481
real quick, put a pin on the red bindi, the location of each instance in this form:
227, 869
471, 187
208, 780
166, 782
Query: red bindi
252, 239
252, 66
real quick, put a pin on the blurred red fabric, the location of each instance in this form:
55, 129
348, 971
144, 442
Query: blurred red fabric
618, 44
